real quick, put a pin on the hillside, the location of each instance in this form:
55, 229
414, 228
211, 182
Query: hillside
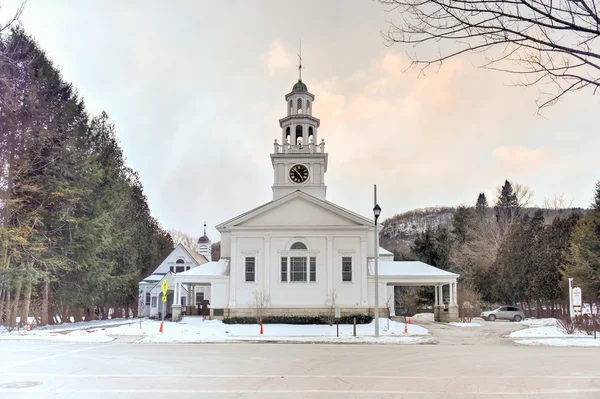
400, 230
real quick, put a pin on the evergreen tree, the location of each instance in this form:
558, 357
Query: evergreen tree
481, 206
596, 200
460, 224
507, 207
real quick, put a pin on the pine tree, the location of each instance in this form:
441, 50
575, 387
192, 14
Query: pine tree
481, 206
596, 200
507, 207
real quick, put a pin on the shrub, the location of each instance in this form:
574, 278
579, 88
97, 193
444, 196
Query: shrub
566, 325
299, 320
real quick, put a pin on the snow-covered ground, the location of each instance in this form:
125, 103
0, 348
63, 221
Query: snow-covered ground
538, 322
195, 329
587, 342
545, 332
459, 324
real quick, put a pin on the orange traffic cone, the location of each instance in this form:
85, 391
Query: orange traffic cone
161, 326
409, 320
405, 328
261, 329
28, 327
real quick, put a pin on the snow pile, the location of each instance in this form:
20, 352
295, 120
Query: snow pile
75, 336
3, 330
423, 316
589, 341
460, 324
84, 325
194, 329
538, 322
544, 332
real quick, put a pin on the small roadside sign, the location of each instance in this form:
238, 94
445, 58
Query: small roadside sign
164, 298
577, 296
337, 313
165, 287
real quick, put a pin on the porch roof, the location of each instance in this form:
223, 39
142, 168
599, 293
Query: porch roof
412, 272
210, 269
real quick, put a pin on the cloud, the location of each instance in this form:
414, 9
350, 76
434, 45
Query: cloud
277, 58
517, 158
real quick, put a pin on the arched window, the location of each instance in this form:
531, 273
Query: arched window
179, 266
291, 110
308, 107
298, 140
299, 110
311, 137
298, 245
287, 134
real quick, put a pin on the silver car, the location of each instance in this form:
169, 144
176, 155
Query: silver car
504, 313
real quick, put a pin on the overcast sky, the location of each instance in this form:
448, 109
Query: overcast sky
196, 88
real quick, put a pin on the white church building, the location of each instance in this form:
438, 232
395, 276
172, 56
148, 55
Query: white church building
298, 250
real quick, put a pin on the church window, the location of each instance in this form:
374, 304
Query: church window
347, 268
311, 137
180, 261
299, 111
298, 245
199, 297
287, 134
250, 269
172, 268
291, 110
147, 299
153, 301
308, 106
284, 270
313, 269
297, 268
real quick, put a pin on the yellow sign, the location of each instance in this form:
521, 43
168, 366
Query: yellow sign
165, 287
164, 298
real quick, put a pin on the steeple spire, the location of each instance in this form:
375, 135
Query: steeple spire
205, 227
300, 63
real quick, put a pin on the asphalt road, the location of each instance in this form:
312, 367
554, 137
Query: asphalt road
483, 365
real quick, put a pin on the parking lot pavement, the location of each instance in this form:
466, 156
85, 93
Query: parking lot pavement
125, 370
490, 333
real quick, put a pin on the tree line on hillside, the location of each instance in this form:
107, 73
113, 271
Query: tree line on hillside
76, 231
508, 253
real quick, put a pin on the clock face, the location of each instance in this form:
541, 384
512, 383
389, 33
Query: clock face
298, 173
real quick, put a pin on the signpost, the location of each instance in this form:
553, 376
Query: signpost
337, 320
165, 288
577, 301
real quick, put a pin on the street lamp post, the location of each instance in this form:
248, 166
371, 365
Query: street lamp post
376, 213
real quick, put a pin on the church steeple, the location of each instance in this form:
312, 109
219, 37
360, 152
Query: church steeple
300, 160
204, 245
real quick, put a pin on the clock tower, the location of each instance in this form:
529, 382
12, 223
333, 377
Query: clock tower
299, 161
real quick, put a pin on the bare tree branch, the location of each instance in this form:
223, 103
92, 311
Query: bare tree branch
546, 42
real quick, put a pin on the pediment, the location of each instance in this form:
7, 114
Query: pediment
298, 209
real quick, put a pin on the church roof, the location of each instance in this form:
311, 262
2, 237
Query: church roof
199, 259
298, 193
299, 87
203, 240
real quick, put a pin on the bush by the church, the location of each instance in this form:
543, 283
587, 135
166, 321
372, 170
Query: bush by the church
299, 320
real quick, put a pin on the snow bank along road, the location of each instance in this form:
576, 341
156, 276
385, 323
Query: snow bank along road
123, 370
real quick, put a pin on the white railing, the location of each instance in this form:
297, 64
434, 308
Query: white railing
310, 148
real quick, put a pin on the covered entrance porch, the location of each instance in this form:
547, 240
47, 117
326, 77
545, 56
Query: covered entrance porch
202, 291
419, 274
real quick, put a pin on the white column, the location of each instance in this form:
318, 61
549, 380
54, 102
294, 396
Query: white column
451, 287
391, 299
177, 290
233, 271
455, 293
437, 299
364, 298
267, 268
329, 264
